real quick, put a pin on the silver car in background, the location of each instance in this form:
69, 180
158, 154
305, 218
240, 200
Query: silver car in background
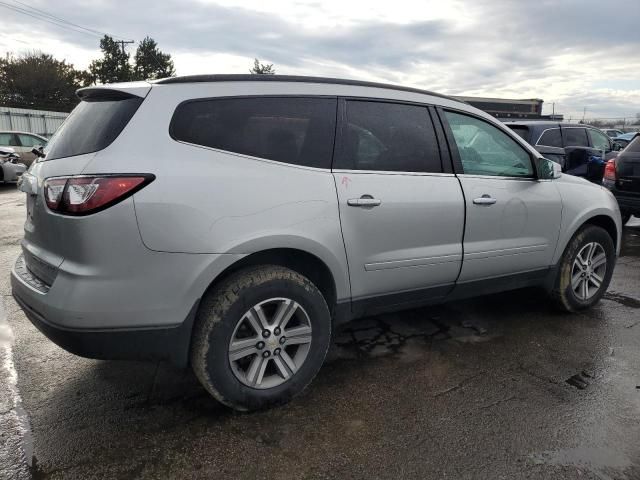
11, 167
230, 222
23, 144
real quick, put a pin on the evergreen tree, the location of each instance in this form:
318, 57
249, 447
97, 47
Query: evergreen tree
150, 62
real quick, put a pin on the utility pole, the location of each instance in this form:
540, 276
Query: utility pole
584, 114
553, 110
122, 42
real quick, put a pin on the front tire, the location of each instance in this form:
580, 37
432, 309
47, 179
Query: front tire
260, 337
585, 269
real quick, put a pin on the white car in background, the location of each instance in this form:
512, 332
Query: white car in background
22, 143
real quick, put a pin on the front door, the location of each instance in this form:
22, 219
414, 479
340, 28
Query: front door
513, 219
402, 217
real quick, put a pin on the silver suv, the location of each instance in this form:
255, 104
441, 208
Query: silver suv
230, 222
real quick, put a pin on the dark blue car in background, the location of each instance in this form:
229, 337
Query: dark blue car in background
581, 150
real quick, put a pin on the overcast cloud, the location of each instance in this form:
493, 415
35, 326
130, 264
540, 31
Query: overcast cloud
576, 53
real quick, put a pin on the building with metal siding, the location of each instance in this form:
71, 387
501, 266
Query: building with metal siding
41, 122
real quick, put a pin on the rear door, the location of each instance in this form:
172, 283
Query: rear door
402, 214
512, 218
582, 159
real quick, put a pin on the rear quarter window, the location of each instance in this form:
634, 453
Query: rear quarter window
295, 130
92, 126
550, 138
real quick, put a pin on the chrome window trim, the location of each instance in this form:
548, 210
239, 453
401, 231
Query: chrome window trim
392, 172
473, 175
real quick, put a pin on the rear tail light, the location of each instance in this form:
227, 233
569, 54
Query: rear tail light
610, 171
86, 194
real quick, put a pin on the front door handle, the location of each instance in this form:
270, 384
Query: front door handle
364, 201
484, 200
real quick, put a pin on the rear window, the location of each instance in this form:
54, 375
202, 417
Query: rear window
296, 130
522, 131
551, 138
93, 125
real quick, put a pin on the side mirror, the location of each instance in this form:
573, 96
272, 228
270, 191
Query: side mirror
616, 147
547, 169
37, 151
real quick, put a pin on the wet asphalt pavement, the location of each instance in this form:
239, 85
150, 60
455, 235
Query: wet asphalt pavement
501, 387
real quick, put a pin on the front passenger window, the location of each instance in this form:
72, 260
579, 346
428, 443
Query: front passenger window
486, 150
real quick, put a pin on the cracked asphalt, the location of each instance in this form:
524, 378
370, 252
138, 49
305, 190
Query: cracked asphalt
500, 387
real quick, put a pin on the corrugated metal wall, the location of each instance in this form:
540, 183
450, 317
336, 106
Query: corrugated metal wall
41, 122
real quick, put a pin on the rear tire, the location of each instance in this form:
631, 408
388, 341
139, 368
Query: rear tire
238, 352
585, 269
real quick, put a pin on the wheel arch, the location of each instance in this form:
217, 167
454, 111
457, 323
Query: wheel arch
602, 219
301, 261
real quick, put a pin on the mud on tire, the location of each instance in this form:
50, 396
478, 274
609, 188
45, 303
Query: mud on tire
221, 314
563, 294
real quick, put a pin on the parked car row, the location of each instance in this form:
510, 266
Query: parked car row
581, 150
608, 157
624, 139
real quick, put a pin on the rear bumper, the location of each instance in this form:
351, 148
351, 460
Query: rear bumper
627, 203
125, 319
12, 171
170, 344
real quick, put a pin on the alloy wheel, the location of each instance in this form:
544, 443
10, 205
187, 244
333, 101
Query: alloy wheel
588, 270
270, 343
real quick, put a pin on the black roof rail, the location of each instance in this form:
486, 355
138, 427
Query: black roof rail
291, 78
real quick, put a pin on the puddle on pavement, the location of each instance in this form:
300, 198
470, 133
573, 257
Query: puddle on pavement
606, 463
10, 379
408, 334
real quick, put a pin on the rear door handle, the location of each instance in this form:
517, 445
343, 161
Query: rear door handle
364, 201
484, 200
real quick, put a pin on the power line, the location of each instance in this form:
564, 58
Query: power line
44, 19
54, 20
60, 19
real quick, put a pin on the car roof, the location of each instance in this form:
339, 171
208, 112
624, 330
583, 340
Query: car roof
548, 124
23, 133
292, 78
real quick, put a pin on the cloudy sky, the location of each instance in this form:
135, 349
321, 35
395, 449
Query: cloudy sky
576, 53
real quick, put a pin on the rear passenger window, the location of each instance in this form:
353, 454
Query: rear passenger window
299, 131
551, 138
388, 137
575, 137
